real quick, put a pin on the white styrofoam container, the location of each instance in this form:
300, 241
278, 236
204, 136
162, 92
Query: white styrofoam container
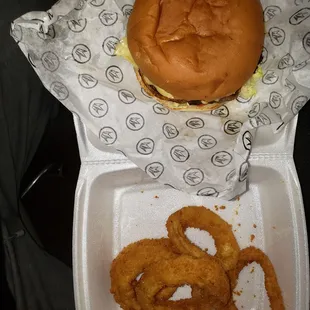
116, 205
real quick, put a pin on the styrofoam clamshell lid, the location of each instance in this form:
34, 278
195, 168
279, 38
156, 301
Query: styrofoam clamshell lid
117, 203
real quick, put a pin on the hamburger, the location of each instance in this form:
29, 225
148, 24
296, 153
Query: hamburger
195, 54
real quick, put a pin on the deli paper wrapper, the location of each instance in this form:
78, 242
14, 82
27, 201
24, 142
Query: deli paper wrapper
71, 47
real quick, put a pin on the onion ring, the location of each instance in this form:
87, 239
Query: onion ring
250, 255
204, 219
130, 263
204, 273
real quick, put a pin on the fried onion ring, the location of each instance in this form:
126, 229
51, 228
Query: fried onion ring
204, 273
130, 263
250, 255
204, 219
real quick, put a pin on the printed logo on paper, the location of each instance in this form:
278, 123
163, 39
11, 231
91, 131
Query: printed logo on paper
114, 74
160, 109
135, 121
270, 78
247, 140
243, 172
300, 16
145, 146
122, 152
49, 35
298, 104
195, 123
260, 120
80, 5
127, 9
87, 81
81, 53
299, 2
193, 176
208, 192
221, 159
154, 170
264, 55
59, 90
232, 127
50, 61
98, 108
108, 135
97, 2
286, 62
254, 110
271, 11
306, 42
170, 131
300, 66
206, 142
179, 153
289, 85
108, 18
31, 60
244, 100
50, 15
277, 36
109, 45
231, 175
170, 185
222, 111
275, 100
77, 25
126, 96
17, 33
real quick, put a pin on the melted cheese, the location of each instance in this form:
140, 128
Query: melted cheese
122, 50
249, 89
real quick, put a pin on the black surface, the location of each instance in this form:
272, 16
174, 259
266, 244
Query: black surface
38, 280
50, 201
302, 158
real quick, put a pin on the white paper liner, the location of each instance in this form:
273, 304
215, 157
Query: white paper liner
71, 48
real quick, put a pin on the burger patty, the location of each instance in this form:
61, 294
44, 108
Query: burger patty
234, 96
190, 102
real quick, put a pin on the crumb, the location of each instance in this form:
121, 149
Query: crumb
238, 198
236, 212
216, 207
252, 270
273, 227
239, 224
238, 293
252, 238
156, 197
248, 281
254, 296
222, 207
254, 225
235, 230
242, 307
142, 192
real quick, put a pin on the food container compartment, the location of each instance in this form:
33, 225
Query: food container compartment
117, 203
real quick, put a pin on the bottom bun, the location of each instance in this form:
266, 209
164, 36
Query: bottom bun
181, 105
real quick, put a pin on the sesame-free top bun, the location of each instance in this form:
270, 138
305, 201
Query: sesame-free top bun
197, 49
